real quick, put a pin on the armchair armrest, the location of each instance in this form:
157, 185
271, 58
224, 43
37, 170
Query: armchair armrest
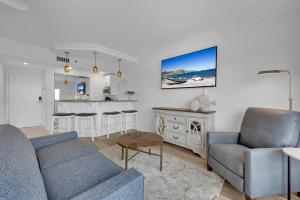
222, 138
44, 141
265, 172
128, 185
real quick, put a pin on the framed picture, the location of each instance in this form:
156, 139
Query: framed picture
192, 70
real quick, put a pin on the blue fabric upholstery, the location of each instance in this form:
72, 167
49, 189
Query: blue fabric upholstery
68, 168
263, 128
62, 152
229, 155
44, 141
231, 177
264, 169
73, 177
126, 185
20, 177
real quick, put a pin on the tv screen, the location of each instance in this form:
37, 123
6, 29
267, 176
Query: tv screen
196, 69
81, 88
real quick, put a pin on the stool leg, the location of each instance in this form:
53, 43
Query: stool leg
96, 118
115, 124
137, 121
69, 123
107, 127
121, 126
101, 125
92, 128
76, 125
125, 123
52, 124
132, 121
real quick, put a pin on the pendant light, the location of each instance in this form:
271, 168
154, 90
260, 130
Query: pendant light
67, 68
95, 68
120, 74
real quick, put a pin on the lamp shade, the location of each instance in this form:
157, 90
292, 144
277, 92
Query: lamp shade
272, 71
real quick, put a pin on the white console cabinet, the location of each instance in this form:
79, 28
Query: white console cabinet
184, 127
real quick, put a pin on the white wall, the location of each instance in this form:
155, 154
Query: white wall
242, 52
2, 94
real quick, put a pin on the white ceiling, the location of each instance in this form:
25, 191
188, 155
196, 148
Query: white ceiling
135, 27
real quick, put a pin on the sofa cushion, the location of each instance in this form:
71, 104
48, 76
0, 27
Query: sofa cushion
270, 128
73, 177
20, 177
52, 155
230, 156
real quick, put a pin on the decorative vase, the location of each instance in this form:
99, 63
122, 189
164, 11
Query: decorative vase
195, 105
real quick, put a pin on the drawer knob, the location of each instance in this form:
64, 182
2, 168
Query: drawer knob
175, 137
175, 127
174, 118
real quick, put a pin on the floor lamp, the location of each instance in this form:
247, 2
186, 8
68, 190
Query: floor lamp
290, 82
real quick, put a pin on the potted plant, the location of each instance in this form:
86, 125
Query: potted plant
129, 93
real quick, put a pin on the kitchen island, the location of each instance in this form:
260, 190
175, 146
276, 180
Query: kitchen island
95, 106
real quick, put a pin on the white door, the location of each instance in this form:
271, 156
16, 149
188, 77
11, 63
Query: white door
25, 104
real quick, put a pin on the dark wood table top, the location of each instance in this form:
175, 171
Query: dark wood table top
139, 139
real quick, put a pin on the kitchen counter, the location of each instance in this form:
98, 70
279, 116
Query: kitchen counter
93, 101
94, 106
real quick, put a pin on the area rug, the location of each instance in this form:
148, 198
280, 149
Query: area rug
179, 180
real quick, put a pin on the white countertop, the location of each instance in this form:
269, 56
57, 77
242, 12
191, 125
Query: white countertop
93, 101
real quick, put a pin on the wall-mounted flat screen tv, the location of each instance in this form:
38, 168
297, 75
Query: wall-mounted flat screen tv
81, 88
196, 69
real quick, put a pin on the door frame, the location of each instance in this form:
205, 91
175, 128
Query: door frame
7, 94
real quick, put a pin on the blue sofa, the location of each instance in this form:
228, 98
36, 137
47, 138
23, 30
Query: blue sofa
60, 167
252, 160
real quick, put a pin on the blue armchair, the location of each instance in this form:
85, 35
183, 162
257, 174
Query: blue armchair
252, 160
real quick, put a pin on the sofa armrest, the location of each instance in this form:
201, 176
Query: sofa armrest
265, 172
44, 141
222, 138
128, 185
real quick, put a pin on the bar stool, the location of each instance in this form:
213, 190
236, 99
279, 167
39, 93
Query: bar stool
133, 118
115, 116
68, 117
92, 117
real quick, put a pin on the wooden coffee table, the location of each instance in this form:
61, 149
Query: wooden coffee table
138, 140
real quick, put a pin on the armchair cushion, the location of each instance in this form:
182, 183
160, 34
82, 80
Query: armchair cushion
230, 156
50, 156
270, 128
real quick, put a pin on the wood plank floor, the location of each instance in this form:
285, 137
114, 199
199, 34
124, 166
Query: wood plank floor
228, 191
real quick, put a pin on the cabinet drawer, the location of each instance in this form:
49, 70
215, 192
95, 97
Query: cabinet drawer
177, 138
178, 119
176, 127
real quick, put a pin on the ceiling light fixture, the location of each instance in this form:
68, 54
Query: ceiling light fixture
25, 63
67, 68
95, 68
120, 74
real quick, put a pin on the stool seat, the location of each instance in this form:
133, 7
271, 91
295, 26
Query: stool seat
63, 114
129, 111
85, 114
111, 113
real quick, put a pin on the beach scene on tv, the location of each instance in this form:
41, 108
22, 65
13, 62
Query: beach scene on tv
196, 69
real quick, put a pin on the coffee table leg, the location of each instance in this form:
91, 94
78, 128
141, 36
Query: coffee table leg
149, 151
122, 153
161, 156
126, 158
289, 178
